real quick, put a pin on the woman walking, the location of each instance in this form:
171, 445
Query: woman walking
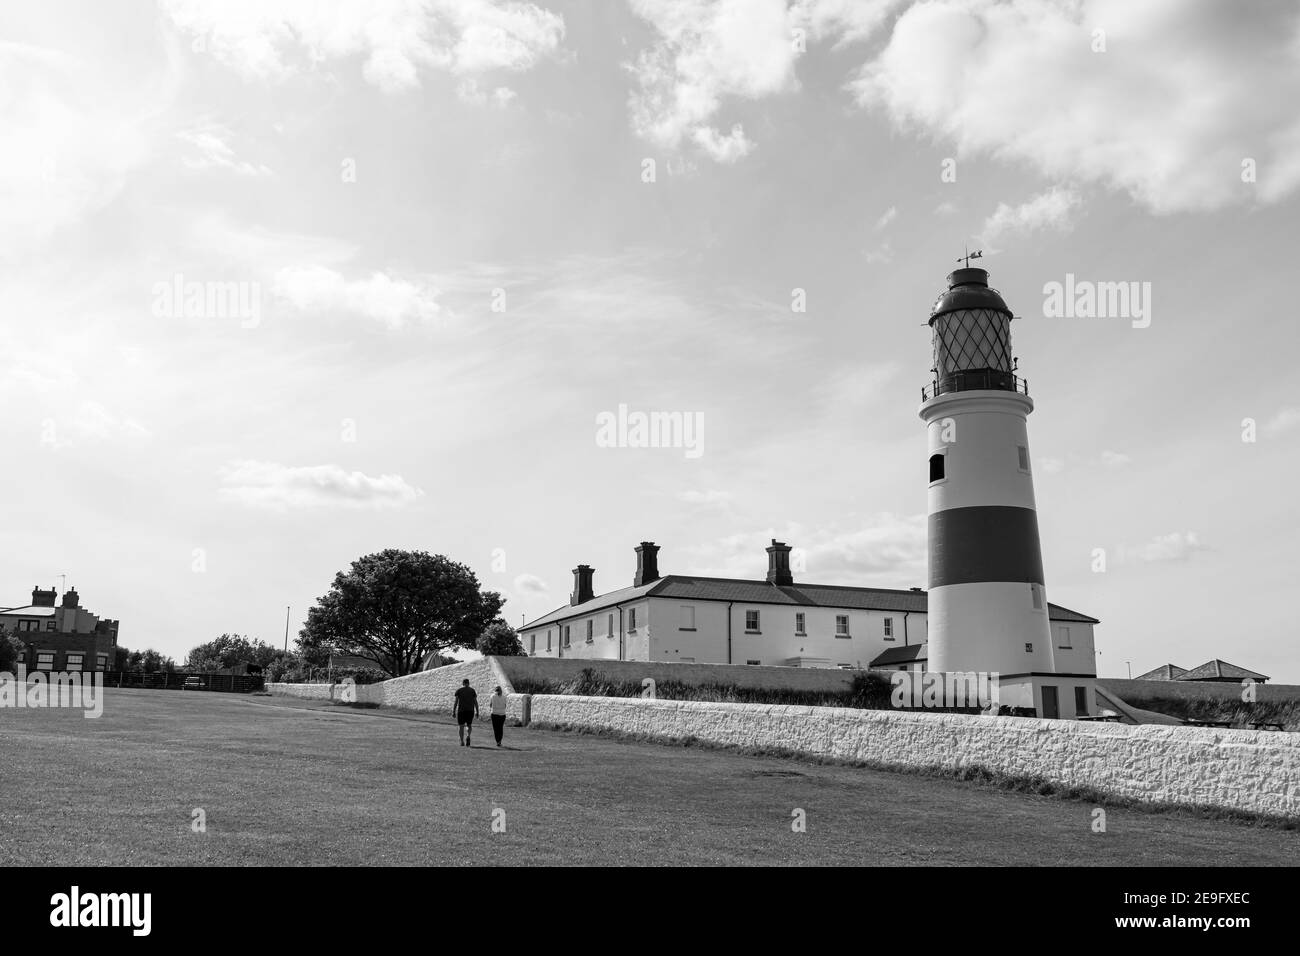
498, 706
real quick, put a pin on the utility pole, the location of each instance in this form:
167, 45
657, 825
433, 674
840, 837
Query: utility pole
286, 628
1130, 669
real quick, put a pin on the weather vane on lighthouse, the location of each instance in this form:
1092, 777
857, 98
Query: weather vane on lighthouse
977, 254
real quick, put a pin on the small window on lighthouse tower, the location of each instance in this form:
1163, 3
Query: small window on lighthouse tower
1037, 594
1023, 452
936, 467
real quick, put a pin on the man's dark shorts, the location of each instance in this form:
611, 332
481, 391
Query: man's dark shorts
464, 718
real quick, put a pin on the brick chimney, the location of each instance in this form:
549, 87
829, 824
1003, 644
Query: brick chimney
581, 585
71, 598
778, 564
42, 598
647, 563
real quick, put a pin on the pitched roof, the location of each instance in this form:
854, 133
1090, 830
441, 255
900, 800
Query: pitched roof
902, 655
599, 602
1163, 672
693, 588
31, 610
1220, 670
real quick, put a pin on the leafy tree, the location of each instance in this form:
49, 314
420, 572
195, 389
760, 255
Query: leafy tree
229, 650
277, 668
394, 607
120, 657
11, 649
313, 651
500, 639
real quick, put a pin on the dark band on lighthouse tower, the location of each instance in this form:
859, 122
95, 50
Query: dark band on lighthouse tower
987, 603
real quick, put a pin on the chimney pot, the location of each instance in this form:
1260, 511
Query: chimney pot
647, 564
581, 585
778, 564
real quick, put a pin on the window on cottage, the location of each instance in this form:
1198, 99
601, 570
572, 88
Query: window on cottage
532, 644
566, 635
548, 639
841, 625
590, 627
799, 623
631, 619
751, 621
1081, 702
889, 627
687, 618
49, 625
609, 626
1065, 637
44, 659
73, 662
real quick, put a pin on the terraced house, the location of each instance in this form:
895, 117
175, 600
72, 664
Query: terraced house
66, 637
692, 619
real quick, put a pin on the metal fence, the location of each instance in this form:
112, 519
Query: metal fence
161, 680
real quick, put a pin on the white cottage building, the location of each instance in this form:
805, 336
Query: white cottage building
701, 620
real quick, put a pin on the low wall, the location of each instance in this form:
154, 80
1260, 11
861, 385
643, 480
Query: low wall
742, 675
305, 691
1247, 770
433, 690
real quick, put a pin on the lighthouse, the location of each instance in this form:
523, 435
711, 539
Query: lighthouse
988, 609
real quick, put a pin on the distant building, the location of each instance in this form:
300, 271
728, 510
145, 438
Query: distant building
1163, 672
66, 637
701, 620
1217, 670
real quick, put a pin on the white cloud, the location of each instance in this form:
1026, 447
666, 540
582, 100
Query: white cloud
397, 39
1114, 459
727, 149
531, 584
271, 485
1051, 466
879, 254
1284, 420
888, 216
71, 138
469, 91
211, 150
1047, 210
703, 53
393, 302
94, 422
1176, 546
1182, 94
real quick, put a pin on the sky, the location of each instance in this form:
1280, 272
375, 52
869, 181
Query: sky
436, 242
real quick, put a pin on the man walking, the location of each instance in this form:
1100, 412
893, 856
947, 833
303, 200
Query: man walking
498, 707
465, 708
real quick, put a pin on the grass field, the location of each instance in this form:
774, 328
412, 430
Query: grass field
287, 782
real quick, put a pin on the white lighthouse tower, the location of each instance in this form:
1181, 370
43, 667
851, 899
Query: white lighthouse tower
987, 604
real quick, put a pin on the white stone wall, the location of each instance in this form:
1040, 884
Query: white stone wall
305, 691
1255, 771
433, 690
